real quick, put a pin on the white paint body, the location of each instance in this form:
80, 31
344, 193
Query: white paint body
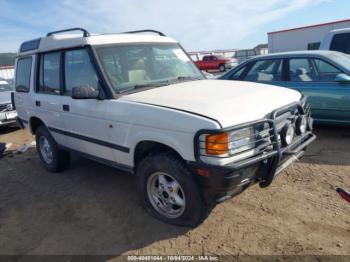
298, 39
327, 40
170, 115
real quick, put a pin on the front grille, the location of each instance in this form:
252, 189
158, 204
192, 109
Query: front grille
266, 136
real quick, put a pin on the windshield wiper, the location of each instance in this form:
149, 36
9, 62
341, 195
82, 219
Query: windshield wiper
184, 78
161, 83
155, 84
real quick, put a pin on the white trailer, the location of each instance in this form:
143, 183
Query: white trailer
302, 38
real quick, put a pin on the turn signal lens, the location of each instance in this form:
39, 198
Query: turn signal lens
217, 144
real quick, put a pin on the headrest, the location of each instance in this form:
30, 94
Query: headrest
301, 71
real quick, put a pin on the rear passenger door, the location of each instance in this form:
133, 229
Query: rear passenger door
269, 71
48, 100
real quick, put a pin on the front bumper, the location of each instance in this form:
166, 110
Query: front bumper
219, 183
7, 117
223, 182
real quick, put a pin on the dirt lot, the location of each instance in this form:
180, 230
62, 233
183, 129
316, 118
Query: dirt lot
93, 209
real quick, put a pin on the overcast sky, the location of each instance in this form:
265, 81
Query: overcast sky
197, 24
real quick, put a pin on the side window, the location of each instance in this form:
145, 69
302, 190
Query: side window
325, 72
49, 77
313, 46
23, 72
265, 71
341, 43
206, 58
238, 73
300, 70
79, 70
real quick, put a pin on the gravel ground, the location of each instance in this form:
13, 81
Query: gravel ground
94, 209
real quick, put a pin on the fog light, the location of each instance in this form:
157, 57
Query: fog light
9, 107
287, 134
301, 125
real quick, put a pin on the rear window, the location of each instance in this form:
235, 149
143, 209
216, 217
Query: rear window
341, 43
23, 72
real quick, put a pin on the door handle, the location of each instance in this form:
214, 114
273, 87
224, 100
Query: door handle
65, 107
37, 103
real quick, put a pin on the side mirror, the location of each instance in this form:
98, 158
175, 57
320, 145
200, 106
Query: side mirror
342, 78
85, 92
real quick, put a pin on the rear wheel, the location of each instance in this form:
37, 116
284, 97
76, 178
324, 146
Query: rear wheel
168, 191
52, 158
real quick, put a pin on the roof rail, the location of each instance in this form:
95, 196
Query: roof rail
144, 31
85, 32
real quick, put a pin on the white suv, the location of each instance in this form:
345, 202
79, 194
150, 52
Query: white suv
136, 101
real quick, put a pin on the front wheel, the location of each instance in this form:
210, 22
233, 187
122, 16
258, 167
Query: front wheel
168, 191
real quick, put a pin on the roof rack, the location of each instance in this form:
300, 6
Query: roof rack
85, 32
145, 31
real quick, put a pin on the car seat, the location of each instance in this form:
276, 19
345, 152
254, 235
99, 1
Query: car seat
138, 72
302, 75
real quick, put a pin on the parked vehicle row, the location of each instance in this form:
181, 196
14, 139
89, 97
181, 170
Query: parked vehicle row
137, 102
322, 76
7, 113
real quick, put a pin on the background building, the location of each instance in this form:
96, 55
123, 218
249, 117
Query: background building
302, 38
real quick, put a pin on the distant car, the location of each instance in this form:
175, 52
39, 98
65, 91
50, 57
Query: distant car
337, 40
7, 113
322, 76
215, 62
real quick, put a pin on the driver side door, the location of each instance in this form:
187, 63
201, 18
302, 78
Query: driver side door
316, 79
87, 127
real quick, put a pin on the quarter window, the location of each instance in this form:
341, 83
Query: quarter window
23, 72
50, 73
325, 72
265, 71
313, 46
79, 70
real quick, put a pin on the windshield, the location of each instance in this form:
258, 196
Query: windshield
5, 85
129, 67
341, 59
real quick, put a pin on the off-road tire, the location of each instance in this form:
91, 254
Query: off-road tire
61, 158
196, 210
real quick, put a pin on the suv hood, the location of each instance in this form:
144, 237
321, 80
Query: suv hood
228, 102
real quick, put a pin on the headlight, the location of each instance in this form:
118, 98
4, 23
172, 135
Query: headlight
301, 125
241, 140
230, 143
9, 107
